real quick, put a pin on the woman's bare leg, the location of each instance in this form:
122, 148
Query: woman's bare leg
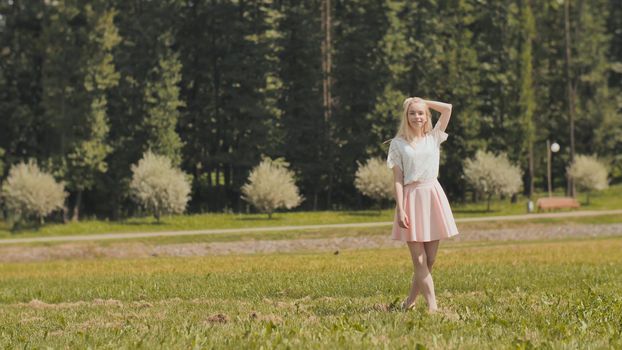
414, 292
422, 279
430, 252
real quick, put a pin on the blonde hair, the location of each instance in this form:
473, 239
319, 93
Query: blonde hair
404, 131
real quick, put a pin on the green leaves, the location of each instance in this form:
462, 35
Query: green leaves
163, 103
217, 85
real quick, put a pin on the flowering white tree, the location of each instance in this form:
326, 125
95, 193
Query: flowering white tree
29, 192
373, 179
589, 174
158, 186
271, 186
490, 174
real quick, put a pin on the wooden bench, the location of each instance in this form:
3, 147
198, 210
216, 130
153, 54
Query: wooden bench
547, 203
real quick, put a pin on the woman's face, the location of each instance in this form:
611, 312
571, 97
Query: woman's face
416, 115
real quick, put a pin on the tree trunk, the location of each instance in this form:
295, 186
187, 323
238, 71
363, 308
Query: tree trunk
327, 98
65, 213
531, 172
76, 207
228, 185
488, 202
315, 199
116, 208
571, 92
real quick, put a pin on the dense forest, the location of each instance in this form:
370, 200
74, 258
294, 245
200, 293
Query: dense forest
87, 86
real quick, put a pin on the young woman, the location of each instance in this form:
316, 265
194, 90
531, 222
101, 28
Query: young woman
423, 216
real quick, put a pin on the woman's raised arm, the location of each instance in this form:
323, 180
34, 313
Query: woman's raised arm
444, 109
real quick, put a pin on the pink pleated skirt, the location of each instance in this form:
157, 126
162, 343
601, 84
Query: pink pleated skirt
428, 211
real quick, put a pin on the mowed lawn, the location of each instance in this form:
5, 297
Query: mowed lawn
604, 200
549, 294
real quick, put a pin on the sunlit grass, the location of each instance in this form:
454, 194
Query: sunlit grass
608, 199
543, 294
327, 233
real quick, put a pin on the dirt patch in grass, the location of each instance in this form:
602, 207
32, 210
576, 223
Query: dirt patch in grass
90, 250
256, 316
38, 304
217, 318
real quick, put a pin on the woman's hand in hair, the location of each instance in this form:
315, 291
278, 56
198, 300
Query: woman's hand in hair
444, 109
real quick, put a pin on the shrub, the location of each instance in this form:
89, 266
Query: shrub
588, 173
270, 186
374, 180
159, 187
490, 175
29, 192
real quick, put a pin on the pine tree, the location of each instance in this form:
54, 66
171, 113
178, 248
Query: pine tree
386, 113
459, 83
596, 105
136, 57
301, 98
162, 103
79, 71
550, 114
87, 157
63, 93
358, 79
230, 85
527, 95
24, 129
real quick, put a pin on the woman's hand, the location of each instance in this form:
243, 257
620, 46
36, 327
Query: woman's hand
403, 219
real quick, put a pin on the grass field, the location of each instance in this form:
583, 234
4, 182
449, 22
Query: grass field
342, 232
549, 294
608, 199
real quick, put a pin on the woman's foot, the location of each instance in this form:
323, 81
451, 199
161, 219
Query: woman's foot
407, 305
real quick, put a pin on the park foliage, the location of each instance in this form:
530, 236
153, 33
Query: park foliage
373, 179
589, 174
159, 187
492, 174
271, 185
88, 87
31, 194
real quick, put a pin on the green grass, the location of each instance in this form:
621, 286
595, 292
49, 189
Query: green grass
608, 199
341, 232
549, 294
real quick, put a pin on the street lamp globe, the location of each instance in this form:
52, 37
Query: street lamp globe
555, 147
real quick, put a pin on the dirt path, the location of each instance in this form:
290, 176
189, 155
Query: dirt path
87, 250
108, 236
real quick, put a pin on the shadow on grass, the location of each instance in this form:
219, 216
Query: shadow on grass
145, 223
260, 219
363, 213
23, 228
474, 211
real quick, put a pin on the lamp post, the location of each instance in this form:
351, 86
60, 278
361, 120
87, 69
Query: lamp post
550, 148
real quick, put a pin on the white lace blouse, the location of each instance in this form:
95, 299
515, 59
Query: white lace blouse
418, 162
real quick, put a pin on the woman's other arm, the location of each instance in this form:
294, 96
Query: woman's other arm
398, 180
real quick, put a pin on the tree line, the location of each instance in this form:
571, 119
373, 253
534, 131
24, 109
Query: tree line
86, 87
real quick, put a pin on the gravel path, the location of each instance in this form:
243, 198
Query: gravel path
86, 250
